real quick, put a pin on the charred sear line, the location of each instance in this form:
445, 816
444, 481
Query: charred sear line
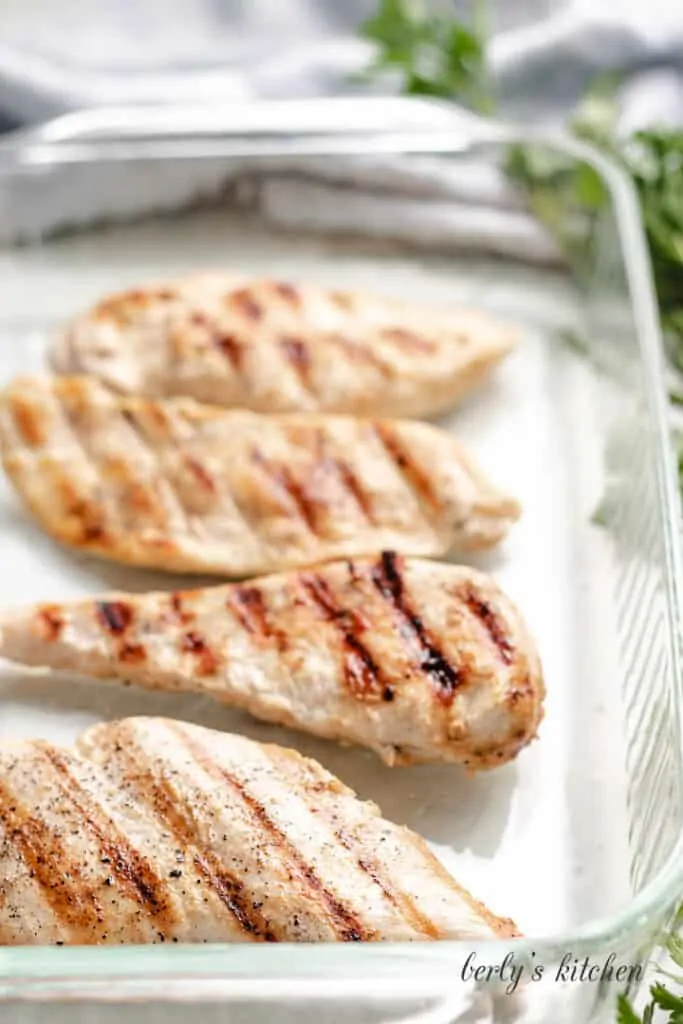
201, 474
132, 653
58, 877
249, 607
400, 899
408, 340
387, 578
29, 422
207, 660
244, 302
165, 806
232, 349
292, 490
355, 576
230, 891
354, 487
88, 514
298, 356
327, 463
491, 623
115, 616
287, 291
359, 352
417, 478
130, 869
51, 621
147, 419
130, 418
178, 613
362, 674
347, 925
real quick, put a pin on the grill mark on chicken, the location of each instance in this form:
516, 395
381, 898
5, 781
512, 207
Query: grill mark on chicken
288, 292
115, 616
298, 356
387, 578
491, 622
359, 352
201, 474
245, 303
88, 514
249, 607
28, 421
58, 878
328, 462
232, 349
231, 893
292, 490
207, 659
161, 483
361, 673
51, 621
143, 501
91, 514
409, 340
164, 804
400, 899
132, 653
419, 481
178, 612
353, 485
151, 410
347, 925
128, 866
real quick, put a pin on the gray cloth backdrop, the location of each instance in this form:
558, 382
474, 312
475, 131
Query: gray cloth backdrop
56, 56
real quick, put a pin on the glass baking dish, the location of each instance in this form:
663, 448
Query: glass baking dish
581, 839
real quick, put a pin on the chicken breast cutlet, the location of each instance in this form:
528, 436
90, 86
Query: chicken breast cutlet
153, 830
186, 487
420, 661
274, 346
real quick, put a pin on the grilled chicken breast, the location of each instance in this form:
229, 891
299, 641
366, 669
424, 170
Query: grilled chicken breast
187, 487
419, 661
152, 830
272, 346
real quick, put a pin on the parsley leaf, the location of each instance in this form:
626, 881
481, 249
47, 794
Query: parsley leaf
434, 54
625, 1012
666, 1000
